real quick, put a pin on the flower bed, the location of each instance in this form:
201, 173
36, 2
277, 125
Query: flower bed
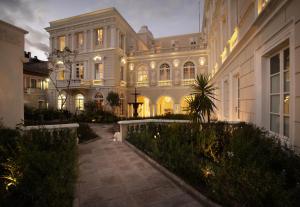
235, 165
38, 167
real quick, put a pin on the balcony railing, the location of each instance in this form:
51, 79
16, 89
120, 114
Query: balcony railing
169, 50
164, 83
188, 82
142, 84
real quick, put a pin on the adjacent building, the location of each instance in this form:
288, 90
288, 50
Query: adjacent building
113, 57
254, 50
35, 82
11, 74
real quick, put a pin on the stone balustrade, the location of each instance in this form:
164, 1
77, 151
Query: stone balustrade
138, 124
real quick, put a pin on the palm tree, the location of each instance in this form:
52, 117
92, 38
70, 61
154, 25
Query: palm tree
201, 103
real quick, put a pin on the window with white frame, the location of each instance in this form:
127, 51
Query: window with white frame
99, 37
280, 92
79, 102
189, 70
142, 74
164, 72
61, 102
61, 43
79, 71
79, 40
99, 71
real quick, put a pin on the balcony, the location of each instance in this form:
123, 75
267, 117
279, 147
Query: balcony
142, 84
188, 82
72, 83
164, 83
33, 91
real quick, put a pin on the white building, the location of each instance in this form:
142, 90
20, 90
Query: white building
11, 74
113, 57
254, 60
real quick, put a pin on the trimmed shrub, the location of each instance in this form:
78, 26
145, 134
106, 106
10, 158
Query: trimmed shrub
85, 133
236, 165
41, 168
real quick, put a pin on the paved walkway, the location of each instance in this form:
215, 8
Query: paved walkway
112, 175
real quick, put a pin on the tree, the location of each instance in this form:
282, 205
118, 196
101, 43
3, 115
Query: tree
201, 103
113, 99
64, 58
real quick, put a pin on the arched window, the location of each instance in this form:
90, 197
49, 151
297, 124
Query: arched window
61, 102
142, 74
164, 72
189, 70
79, 102
99, 100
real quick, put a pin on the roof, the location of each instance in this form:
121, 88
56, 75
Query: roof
36, 67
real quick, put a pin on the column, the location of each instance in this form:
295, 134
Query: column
73, 40
92, 39
55, 43
118, 38
105, 37
51, 44
113, 36
85, 41
85, 65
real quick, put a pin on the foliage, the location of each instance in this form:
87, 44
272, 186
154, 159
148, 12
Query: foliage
42, 166
237, 165
113, 99
166, 116
34, 116
96, 116
201, 103
85, 133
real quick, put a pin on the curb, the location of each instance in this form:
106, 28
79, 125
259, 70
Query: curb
178, 181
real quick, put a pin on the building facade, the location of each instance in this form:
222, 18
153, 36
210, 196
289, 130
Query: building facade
113, 57
11, 74
35, 82
254, 50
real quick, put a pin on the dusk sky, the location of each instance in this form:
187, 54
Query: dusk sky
163, 17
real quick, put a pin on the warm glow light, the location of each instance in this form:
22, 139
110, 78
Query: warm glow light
97, 58
233, 40
59, 62
168, 99
176, 63
47, 79
202, 61
224, 55
123, 60
131, 66
152, 64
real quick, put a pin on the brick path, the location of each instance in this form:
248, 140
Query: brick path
112, 175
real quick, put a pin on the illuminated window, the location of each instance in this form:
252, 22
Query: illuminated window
189, 70
61, 102
142, 75
79, 40
280, 92
99, 37
61, 43
99, 71
164, 72
79, 71
61, 75
79, 102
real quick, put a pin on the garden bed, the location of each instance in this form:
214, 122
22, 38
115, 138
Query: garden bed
233, 164
38, 167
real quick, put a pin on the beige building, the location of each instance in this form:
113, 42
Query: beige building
35, 82
254, 60
11, 74
113, 57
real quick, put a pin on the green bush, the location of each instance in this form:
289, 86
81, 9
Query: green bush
236, 165
41, 166
85, 133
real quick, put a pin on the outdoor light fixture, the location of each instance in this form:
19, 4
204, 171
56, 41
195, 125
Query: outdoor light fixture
152, 64
176, 63
59, 62
123, 60
202, 61
131, 66
47, 79
97, 58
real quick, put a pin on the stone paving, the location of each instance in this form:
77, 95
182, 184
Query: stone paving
112, 175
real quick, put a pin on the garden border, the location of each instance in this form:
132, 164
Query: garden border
178, 181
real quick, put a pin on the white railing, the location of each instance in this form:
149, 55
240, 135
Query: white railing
142, 84
138, 124
164, 83
188, 82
